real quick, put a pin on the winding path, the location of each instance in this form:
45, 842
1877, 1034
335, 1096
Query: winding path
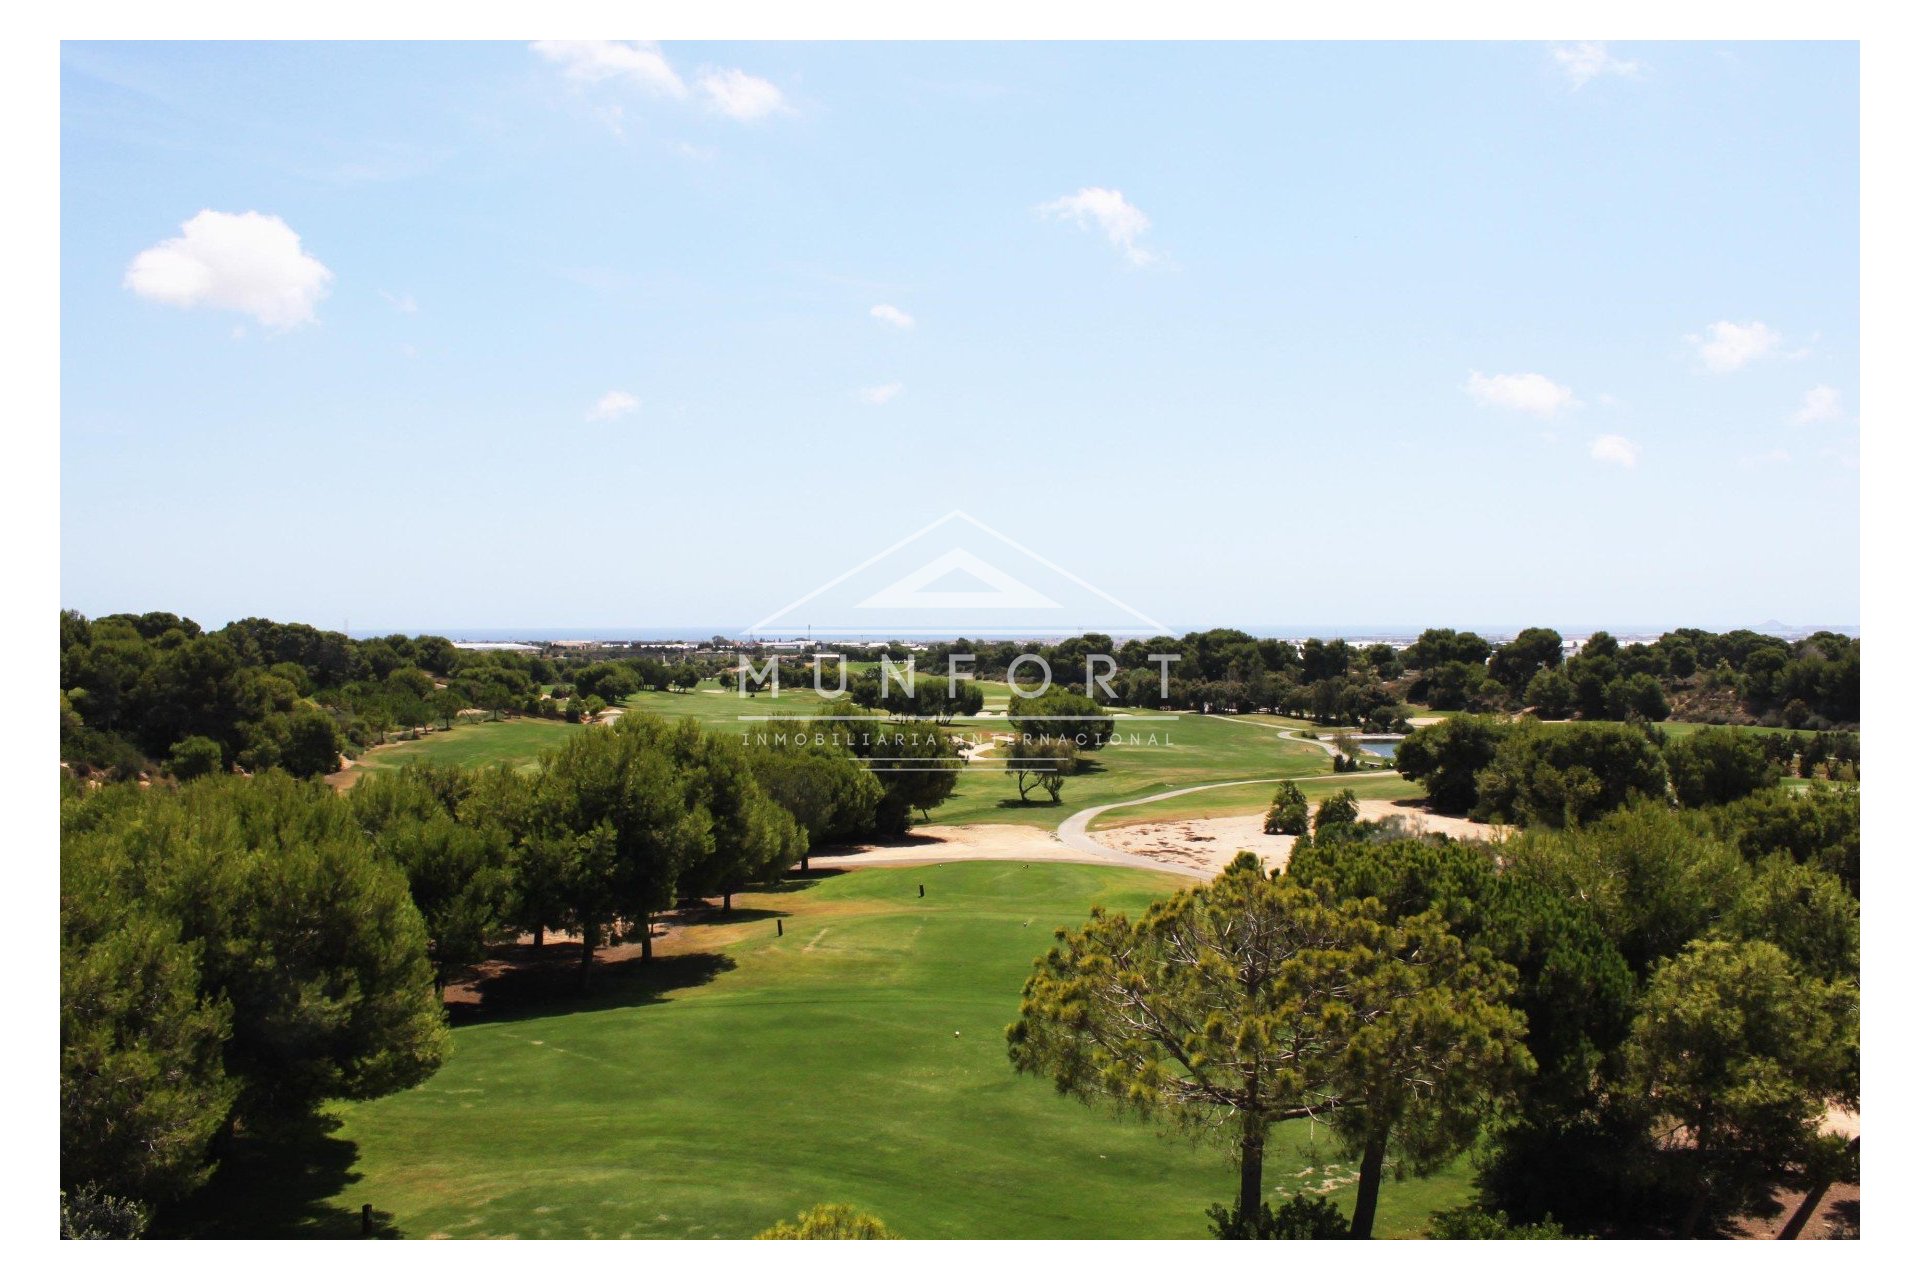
1073, 832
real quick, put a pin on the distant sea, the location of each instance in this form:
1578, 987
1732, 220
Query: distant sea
1370, 633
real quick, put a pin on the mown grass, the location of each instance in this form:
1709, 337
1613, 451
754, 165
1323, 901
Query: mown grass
1254, 797
1148, 755
745, 1076
475, 744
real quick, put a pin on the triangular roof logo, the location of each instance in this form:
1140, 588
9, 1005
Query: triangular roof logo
957, 577
931, 586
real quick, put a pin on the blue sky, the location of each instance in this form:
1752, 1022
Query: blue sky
1279, 336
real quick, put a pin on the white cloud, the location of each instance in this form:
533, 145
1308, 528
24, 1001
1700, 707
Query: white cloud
614, 404
401, 302
1533, 393
1588, 60
1728, 346
739, 96
246, 262
1615, 449
637, 62
1109, 210
892, 315
880, 394
1822, 404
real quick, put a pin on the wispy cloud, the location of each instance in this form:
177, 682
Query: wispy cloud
246, 262
614, 404
1103, 207
401, 302
1618, 450
879, 395
1821, 404
642, 64
1533, 393
739, 96
1728, 345
1588, 60
890, 314
636, 62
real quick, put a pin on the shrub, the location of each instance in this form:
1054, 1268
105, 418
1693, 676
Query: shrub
1469, 1223
829, 1222
1718, 766
1565, 774
88, 1213
194, 757
1304, 1217
1446, 758
1287, 816
1338, 810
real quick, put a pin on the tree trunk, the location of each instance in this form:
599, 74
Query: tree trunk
803, 864
1367, 1196
726, 901
1815, 1194
539, 936
1798, 1222
1253, 1151
646, 936
589, 935
1690, 1226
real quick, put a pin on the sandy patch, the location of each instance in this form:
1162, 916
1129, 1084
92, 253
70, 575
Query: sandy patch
955, 844
1206, 845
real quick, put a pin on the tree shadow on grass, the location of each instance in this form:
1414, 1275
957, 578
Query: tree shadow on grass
276, 1184
549, 985
801, 881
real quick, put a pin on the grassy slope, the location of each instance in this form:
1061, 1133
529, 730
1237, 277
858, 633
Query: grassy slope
1184, 752
819, 1066
475, 745
1254, 797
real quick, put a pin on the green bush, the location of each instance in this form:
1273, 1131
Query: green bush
1338, 810
829, 1222
1287, 815
1469, 1223
194, 757
1304, 1217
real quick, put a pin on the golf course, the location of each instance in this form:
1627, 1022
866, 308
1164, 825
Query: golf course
856, 1055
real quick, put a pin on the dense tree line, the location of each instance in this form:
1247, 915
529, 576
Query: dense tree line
1638, 1024
235, 951
142, 693
1526, 772
1691, 1001
1736, 677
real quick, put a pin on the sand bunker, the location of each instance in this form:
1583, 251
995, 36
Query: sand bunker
956, 844
1202, 846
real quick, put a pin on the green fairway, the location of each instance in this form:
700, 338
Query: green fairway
719, 708
1149, 754
1254, 797
747, 1076
475, 745
1182, 751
